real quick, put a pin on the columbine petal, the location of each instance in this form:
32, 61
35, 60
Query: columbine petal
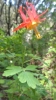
20, 26
43, 13
23, 16
31, 19
43, 19
32, 9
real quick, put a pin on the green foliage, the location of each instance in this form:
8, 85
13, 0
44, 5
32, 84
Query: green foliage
25, 81
12, 70
24, 74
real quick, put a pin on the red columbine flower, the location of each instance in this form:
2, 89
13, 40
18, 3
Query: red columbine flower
31, 19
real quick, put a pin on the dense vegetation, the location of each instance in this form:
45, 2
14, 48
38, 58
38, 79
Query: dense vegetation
27, 64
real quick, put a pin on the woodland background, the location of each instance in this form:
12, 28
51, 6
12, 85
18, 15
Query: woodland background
22, 50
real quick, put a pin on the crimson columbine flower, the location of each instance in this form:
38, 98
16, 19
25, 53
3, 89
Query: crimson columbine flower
31, 19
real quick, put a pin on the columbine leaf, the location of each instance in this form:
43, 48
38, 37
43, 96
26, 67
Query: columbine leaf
22, 77
31, 67
12, 70
29, 78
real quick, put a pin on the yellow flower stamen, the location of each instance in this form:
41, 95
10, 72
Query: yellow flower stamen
33, 23
37, 33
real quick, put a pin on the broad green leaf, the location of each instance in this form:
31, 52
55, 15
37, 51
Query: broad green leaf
12, 70
29, 78
31, 67
22, 77
31, 81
